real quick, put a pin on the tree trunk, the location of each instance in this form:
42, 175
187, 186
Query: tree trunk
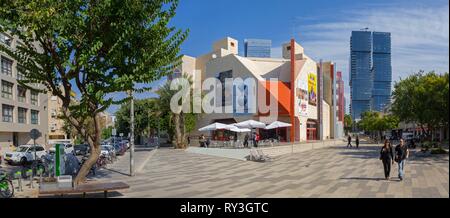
183, 131
176, 121
94, 142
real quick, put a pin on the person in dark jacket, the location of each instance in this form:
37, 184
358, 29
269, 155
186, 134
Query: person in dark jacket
401, 154
246, 138
387, 157
357, 141
349, 141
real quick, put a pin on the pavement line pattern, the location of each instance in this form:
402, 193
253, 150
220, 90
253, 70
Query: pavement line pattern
142, 165
322, 173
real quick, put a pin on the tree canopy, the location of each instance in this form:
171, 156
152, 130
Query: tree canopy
93, 47
422, 98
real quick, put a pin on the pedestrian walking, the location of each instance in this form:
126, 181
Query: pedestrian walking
387, 157
254, 140
201, 139
349, 144
246, 137
401, 154
357, 141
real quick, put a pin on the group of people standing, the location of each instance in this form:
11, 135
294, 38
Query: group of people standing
255, 138
390, 155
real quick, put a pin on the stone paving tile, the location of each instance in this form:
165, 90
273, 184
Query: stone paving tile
323, 173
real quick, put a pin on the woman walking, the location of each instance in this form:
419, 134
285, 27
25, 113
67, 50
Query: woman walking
387, 157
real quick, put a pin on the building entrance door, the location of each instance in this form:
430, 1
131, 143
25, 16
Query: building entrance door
311, 134
15, 139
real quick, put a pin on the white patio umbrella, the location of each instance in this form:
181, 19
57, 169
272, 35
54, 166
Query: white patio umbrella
216, 126
278, 124
239, 130
251, 124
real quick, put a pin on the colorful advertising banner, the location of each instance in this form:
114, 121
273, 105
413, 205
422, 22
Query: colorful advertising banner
302, 95
312, 89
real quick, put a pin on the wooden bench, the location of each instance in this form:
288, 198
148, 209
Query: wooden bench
86, 188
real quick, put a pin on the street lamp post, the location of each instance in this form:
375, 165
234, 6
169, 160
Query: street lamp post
130, 93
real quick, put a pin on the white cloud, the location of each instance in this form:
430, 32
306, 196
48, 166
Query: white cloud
420, 37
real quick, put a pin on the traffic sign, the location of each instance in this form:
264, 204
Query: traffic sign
35, 134
114, 132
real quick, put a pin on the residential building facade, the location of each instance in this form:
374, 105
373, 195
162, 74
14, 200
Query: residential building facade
21, 109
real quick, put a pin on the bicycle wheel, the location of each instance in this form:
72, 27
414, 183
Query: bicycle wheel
6, 189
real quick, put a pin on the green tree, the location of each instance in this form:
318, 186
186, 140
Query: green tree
376, 123
107, 132
423, 99
93, 47
179, 123
348, 123
146, 118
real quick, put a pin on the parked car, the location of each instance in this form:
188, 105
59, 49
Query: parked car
68, 148
24, 154
126, 142
82, 149
120, 148
107, 150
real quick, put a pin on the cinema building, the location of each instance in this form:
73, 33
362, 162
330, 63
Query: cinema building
303, 90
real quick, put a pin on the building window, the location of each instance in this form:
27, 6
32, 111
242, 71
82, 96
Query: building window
7, 89
34, 98
5, 39
6, 66
7, 113
34, 117
22, 112
232, 44
21, 94
20, 75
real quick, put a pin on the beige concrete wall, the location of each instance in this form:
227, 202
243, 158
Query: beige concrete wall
8, 128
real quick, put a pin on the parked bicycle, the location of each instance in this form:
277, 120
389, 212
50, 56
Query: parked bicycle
6, 186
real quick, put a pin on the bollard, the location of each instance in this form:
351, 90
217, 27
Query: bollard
30, 175
18, 175
39, 172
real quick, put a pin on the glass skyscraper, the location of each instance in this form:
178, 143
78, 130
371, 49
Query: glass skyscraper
370, 72
257, 48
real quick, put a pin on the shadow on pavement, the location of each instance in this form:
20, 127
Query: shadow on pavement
112, 194
361, 178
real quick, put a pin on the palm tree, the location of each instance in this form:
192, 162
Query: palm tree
177, 120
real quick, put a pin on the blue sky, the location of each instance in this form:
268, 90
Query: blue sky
420, 32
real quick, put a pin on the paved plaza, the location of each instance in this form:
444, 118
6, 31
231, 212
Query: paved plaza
322, 173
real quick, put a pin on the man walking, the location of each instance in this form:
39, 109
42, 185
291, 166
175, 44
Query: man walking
401, 154
349, 141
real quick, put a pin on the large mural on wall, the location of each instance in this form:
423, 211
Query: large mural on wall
312, 89
302, 96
